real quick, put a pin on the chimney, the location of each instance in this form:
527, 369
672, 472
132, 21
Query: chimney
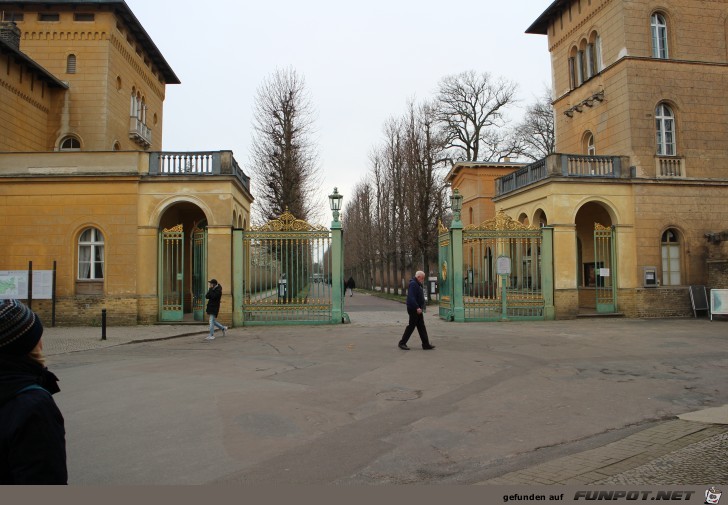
10, 34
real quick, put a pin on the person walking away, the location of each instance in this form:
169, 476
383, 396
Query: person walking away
350, 286
32, 429
415, 310
214, 294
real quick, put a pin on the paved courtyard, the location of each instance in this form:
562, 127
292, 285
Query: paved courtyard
588, 401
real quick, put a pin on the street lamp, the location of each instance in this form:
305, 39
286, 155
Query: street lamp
335, 203
456, 204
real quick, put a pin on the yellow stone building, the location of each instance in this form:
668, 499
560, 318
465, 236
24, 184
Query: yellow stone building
84, 183
637, 194
476, 183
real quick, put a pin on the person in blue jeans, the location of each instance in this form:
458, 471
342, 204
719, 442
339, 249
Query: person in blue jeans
415, 309
214, 294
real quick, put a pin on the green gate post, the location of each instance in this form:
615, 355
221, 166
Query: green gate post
456, 242
238, 278
547, 272
337, 264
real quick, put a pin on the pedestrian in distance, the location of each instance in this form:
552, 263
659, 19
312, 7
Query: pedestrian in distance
214, 294
350, 285
32, 429
415, 310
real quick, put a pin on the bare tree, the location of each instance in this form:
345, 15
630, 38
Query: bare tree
471, 110
282, 155
536, 132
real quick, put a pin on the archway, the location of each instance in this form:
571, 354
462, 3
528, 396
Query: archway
596, 258
182, 262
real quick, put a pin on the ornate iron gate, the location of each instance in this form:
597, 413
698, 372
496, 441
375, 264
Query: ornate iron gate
287, 273
171, 274
199, 272
502, 271
605, 268
445, 279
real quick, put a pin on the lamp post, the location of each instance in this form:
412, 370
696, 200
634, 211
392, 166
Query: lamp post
337, 260
456, 243
456, 204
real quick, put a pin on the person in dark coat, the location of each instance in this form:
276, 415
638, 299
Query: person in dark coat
350, 285
32, 429
415, 310
214, 294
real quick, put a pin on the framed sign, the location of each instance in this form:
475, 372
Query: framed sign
718, 302
503, 265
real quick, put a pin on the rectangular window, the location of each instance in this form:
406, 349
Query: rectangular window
49, 16
83, 16
13, 16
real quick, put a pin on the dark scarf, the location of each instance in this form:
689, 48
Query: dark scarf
17, 373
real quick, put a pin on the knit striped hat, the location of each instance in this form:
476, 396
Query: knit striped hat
20, 328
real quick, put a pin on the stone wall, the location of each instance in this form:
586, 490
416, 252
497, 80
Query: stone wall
662, 302
717, 274
86, 311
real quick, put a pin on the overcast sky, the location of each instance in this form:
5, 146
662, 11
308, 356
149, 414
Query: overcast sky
361, 63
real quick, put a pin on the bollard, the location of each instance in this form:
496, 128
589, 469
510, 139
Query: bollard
103, 324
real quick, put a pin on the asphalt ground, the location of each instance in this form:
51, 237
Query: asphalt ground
587, 401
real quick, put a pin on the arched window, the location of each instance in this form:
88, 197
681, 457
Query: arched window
71, 64
670, 258
589, 148
91, 255
659, 36
70, 144
665, 130
572, 69
594, 54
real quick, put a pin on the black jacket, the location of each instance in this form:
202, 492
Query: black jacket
415, 296
32, 431
213, 299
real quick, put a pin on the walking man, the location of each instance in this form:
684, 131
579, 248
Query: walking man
214, 294
415, 309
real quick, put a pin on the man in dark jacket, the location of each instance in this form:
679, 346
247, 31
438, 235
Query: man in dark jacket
214, 294
32, 431
415, 309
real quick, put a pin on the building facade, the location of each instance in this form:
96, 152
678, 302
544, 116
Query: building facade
84, 184
640, 182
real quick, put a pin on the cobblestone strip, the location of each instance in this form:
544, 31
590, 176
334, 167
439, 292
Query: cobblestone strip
673, 452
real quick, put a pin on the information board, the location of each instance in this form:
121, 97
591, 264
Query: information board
718, 302
14, 284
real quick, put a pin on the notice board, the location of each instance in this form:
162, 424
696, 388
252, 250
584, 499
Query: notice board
718, 302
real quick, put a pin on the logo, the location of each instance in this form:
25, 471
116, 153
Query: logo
712, 495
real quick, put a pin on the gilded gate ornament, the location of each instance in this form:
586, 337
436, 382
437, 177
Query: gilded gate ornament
288, 222
501, 221
177, 228
444, 271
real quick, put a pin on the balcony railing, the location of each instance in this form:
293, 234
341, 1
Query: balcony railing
560, 165
205, 163
139, 132
670, 166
